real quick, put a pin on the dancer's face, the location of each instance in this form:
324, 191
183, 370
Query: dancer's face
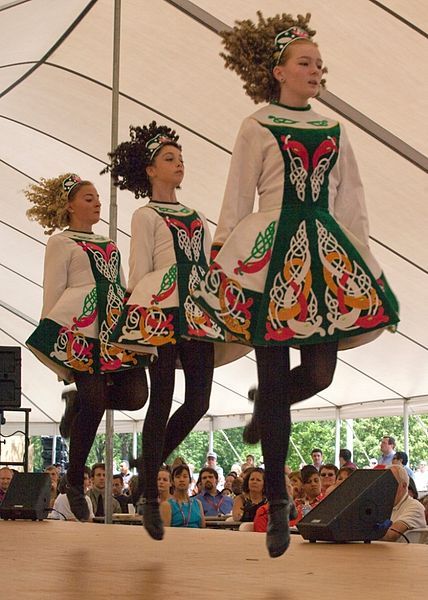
301, 72
84, 208
167, 167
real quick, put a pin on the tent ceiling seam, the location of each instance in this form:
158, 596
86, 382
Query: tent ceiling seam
52, 49
399, 18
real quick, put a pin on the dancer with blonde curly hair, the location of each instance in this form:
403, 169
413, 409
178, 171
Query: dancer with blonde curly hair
83, 295
170, 243
299, 272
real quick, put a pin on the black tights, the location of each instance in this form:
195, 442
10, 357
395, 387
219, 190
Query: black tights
279, 388
123, 389
160, 438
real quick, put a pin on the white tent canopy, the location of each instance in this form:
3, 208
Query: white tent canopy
55, 115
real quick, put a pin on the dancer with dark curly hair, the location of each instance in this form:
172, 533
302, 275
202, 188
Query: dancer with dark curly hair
83, 295
299, 272
168, 259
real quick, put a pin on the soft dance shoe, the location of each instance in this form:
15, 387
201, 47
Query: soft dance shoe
251, 433
71, 410
151, 518
278, 532
77, 500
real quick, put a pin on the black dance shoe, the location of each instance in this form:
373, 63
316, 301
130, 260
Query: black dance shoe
151, 518
278, 531
71, 410
293, 511
77, 500
251, 433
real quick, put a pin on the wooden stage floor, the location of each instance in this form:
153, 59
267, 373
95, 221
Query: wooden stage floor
58, 560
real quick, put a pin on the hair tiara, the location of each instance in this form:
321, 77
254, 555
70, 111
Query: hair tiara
286, 37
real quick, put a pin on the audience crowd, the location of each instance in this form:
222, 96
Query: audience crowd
188, 499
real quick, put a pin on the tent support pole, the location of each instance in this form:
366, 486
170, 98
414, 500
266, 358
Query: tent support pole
113, 235
406, 426
350, 435
211, 436
337, 444
134, 442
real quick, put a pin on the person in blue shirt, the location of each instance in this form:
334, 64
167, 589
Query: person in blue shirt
213, 502
180, 510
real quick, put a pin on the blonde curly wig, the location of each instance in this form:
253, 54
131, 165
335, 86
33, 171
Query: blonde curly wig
50, 201
250, 52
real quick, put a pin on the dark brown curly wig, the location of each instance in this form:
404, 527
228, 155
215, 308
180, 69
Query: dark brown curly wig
250, 52
130, 159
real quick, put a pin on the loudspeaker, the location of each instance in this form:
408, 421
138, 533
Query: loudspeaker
10, 377
27, 497
359, 509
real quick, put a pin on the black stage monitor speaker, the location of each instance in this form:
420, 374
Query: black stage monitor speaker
27, 497
359, 509
10, 377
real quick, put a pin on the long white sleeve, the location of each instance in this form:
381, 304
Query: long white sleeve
57, 260
245, 168
347, 194
143, 226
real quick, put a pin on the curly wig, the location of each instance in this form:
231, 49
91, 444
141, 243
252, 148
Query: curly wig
50, 201
250, 52
130, 159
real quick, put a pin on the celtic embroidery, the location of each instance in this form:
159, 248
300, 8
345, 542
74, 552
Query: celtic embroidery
299, 164
260, 253
321, 160
351, 299
281, 120
293, 307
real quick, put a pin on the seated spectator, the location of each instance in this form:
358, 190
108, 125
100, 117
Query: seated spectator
421, 477
424, 502
295, 478
118, 489
165, 483
53, 474
413, 492
6, 475
126, 473
236, 468
212, 463
61, 509
401, 458
328, 474
133, 490
262, 514
213, 501
407, 512
345, 457
312, 493
249, 463
97, 492
237, 486
178, 461
253, 496
342, 474
180, 510
228, 481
